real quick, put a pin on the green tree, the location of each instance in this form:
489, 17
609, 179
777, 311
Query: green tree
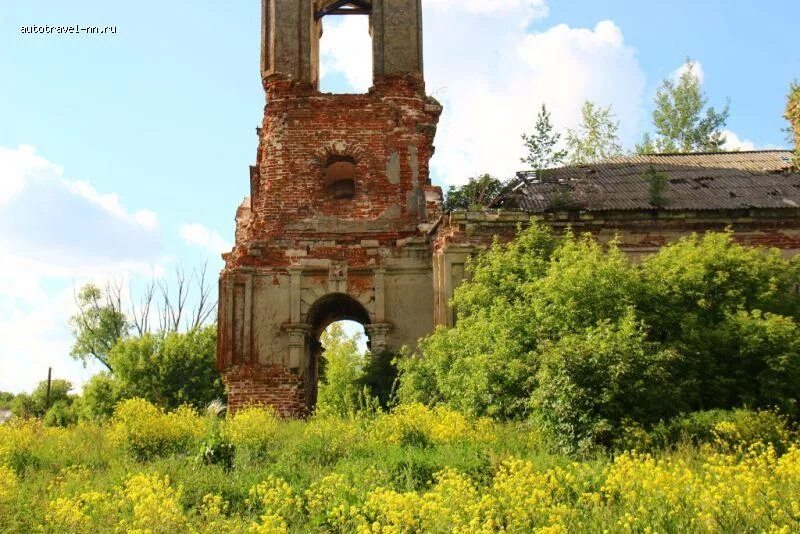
98, 325
5, 400
521, 294
478, 193
692, 294
596, 138
35, 403
793, 116
340, 389
168, 369
680, 123
542, 144
100, 395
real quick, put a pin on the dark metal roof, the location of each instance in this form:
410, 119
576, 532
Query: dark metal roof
705, 181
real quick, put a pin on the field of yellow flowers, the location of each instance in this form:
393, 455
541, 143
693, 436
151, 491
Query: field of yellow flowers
415, 469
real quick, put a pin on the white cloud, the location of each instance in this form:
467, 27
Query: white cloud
110, 202
346, 48
732, 142
197, 234
697, 71
492, 88
57, 234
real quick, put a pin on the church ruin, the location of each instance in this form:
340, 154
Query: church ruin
342, 221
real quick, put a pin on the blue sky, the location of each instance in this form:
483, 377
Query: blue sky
123, 155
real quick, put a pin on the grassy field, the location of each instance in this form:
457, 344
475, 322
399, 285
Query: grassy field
412, 470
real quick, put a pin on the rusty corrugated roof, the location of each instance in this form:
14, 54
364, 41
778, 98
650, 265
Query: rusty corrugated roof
705, 181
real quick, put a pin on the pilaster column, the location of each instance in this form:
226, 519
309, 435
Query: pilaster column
378, 334
380, 295
298, 339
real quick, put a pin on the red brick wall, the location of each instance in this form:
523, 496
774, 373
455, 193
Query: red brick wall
302, 128
290, 217
271, 385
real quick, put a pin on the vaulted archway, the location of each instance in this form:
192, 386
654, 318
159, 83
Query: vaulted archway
325, 311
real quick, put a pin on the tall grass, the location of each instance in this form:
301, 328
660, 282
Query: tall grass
413, 470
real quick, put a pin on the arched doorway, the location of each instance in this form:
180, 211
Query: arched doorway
324, 312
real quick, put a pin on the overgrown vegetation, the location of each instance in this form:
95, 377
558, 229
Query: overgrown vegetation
578, 391
414, 470
793, 116
681, 118
657, 184
574, 335
477, 194
596, 138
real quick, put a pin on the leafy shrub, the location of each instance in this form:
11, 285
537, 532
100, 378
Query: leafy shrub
521, 295
379, 380
251, 430
61, 413
537, 312
589, 383
35, 404
732, 312
215, 450
745, 428
340, 389
730, 429
168, 369
146, 431
99, 397
477, 194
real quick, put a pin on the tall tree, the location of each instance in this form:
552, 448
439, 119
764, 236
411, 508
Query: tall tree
793, 116
681, 120
164, 306
596, 138
99, 323
542, 144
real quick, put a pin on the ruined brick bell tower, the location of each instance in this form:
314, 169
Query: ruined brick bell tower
341, 203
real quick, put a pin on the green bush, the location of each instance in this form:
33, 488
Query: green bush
100, 395
589, 383
251, 430
540, 313
35, 404
146, 431
718, 303
61, 413
168, 369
